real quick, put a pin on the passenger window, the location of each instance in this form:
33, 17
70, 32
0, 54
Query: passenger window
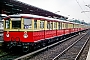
66, 25
27, 23
41, 24
51, 25
59, 25
73, 25
55, 25
48, 25
63, 26
35, 24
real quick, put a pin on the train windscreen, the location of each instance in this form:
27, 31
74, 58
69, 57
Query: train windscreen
16, 23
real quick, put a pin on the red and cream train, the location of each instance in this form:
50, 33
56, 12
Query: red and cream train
28, 31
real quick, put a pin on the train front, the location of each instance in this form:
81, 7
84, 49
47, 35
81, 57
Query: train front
15, 34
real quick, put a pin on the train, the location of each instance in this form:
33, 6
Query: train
1, 24
29, 31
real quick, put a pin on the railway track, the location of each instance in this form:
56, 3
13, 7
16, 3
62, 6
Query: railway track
6, 55
10, 56
46, 55
73, 51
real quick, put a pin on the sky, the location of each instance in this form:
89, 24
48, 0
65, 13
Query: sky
68, 8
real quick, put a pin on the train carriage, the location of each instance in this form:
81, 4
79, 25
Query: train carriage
26, 30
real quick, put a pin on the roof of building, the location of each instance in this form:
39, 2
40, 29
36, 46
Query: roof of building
17, 7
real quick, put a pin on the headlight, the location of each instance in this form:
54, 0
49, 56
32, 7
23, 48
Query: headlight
25, 35
7, 35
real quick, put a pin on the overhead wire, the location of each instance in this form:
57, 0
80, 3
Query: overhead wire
84, 3
82, 8
86, 8
79, 4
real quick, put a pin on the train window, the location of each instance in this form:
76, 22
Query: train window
35, 24
7, 24
41, 24
63, 26
59, 25
70, 25
51, 25
16, 24
73, 25
66, 25
55, 24
27, 23
48, 25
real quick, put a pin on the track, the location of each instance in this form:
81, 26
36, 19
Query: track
49, 52
73, 51
9, 55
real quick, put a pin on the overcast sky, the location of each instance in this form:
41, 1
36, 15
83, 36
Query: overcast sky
68, 8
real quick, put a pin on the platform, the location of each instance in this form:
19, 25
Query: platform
88, 56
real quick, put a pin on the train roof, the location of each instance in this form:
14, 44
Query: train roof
42, 17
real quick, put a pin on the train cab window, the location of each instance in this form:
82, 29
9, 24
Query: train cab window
27, 23
41, 24
35, 24
7, 24
16, 23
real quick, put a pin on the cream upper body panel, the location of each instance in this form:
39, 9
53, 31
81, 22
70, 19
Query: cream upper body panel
38, 23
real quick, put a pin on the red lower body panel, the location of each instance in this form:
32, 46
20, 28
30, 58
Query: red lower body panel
38, 35
34, 36
60, 32
50, 33
18, 36
67, 31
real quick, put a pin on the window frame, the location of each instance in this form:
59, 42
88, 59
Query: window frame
30, 25
35, 27
9, 23
42, 24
